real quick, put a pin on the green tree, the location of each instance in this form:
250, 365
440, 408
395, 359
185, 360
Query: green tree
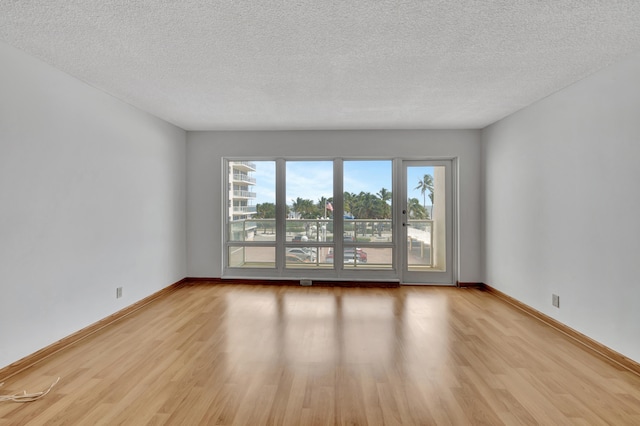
385, 196
321, 206
265, 211
294, 204
322, 201
363, 206
426, 185
416, 210
305, 208
349, 199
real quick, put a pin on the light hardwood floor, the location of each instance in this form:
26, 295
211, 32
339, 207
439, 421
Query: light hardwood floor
284, 355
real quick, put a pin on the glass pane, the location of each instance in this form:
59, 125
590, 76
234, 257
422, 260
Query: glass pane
252, 257
300, 231
367, 201
426, 238
419, 243
306, 257
368, 258
252, 196
265, 230
309, 195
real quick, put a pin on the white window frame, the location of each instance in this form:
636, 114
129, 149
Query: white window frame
338, 272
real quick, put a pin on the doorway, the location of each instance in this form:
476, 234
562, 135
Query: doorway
426, 222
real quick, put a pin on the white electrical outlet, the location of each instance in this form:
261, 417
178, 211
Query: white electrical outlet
555, 300
118, 292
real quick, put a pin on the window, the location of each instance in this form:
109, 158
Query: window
368, 209
336, 219
309, 218
251, 218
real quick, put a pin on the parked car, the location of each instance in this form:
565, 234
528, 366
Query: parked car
356, 255
292, 258
351, 255
303, 253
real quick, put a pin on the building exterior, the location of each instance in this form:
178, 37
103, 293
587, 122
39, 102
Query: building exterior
240, 195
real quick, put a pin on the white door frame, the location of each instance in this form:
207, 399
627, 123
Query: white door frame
449, 275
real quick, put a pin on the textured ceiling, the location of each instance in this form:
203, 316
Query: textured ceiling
325, 64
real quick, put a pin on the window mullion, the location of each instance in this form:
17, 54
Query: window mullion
338, 213
281, 212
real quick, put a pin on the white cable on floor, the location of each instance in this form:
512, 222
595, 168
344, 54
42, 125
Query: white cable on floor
27, 397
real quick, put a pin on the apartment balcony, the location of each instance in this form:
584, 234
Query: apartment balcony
238, 177
244, 209
243, 194
246, 166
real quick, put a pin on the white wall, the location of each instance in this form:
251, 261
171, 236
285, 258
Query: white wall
92, 197
562, 197
205, 151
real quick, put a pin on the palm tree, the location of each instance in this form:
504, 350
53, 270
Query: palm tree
266, 211
426, 184
349, 201
295, 205
322, 202
306, 208
365, 206
321, 206
416, 210
385, 196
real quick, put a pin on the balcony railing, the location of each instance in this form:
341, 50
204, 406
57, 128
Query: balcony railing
244, 209
243, 178
244, 194
248, 164
374, 236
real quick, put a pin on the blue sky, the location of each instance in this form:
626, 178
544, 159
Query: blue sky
265, 187
314, 179
415, 175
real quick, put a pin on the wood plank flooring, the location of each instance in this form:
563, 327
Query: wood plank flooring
282, 355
